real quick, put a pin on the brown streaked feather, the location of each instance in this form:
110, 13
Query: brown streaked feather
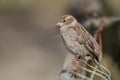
77, 28
84, 38
89, 48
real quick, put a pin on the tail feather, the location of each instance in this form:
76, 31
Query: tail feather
98, 64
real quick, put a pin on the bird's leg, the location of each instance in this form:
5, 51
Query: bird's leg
72, 71
77, 56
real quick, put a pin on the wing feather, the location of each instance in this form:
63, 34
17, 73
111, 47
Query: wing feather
88, 41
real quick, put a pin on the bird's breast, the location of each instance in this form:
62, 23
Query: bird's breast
69, 34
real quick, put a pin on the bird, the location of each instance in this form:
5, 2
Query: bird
78, 40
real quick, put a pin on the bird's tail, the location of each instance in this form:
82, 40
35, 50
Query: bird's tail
100, 58
98, 64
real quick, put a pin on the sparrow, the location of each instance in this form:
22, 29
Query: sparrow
77, 40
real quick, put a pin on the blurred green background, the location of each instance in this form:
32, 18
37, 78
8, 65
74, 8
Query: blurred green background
30, 46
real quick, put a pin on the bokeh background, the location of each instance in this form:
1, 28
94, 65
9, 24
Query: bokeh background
30, 45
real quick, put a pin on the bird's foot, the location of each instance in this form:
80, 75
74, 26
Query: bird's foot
72, 71
77, 56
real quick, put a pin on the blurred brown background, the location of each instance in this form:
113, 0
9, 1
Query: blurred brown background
30, 45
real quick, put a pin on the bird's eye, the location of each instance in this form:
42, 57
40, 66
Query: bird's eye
64, 20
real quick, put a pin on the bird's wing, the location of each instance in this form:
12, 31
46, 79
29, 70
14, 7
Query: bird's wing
91, 47
86, 39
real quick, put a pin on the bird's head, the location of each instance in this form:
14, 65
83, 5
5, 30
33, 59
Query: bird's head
66, 21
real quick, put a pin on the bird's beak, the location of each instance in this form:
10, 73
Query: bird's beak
59, 24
